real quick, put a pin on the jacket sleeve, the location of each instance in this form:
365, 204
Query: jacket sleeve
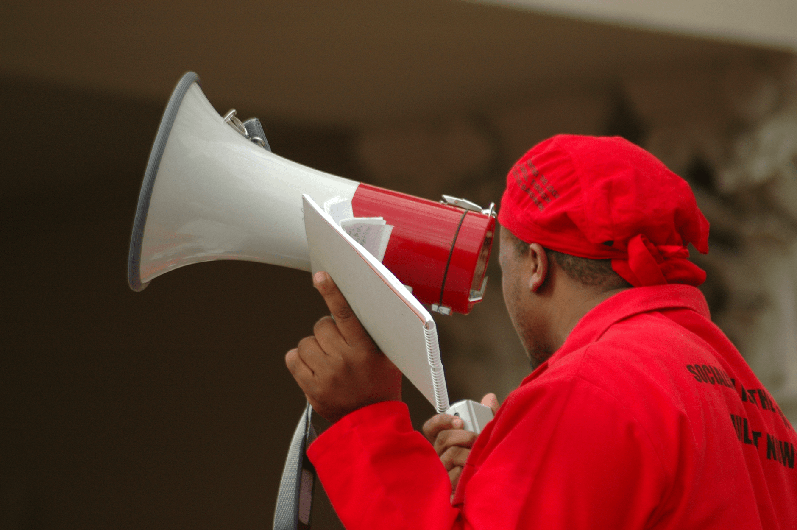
378, 472
562, 455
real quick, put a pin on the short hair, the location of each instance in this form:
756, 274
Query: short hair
587, 271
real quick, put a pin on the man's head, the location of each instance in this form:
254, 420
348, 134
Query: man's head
546, 292
594, 215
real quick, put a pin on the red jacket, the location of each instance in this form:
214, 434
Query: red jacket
647, 417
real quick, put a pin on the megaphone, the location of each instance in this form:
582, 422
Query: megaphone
213, 190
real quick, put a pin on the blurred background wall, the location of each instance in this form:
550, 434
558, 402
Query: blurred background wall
172, 408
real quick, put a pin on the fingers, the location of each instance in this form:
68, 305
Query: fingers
304, 362
451, 443
454, 457
444, 422
300, 371
339, 367
490, 400
439, 423
328, 335
455, 474
453, 438
343, 316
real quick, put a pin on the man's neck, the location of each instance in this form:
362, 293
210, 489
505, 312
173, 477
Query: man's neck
573, 302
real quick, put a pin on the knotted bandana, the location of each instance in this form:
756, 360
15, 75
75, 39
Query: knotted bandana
606, 198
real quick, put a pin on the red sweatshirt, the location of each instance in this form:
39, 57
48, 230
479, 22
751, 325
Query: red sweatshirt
647, 417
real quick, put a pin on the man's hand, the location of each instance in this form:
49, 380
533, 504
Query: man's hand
339, 368
451, 442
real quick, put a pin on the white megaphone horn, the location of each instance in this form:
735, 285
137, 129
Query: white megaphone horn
213, 190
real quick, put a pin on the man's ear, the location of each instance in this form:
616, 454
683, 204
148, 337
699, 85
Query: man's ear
539, 266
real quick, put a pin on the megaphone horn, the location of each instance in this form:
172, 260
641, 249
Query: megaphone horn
213, 190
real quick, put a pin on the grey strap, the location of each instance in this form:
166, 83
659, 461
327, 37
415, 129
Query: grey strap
296, 492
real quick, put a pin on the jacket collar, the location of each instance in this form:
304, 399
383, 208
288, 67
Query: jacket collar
624, 305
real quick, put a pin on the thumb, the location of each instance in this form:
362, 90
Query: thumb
490, 400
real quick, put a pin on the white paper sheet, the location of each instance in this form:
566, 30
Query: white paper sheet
400, 326
372, 233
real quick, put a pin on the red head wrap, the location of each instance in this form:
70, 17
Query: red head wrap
606, 198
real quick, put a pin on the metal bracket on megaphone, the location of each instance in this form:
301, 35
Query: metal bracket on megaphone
467, 205
475, 295
250, 129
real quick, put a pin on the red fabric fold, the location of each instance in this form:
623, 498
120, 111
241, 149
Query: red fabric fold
650, 264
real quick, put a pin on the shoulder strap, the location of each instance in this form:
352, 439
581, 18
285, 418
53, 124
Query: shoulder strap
296, 491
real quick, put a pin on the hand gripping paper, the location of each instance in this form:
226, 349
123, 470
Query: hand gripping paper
400, 326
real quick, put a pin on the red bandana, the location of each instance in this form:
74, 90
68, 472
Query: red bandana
606, 198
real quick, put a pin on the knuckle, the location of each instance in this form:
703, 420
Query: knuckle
434, 426
442, 441
454, 457
322, 325
426, 431
454, 438
305, 344
447, 459
454, 475
343, 313
458, 456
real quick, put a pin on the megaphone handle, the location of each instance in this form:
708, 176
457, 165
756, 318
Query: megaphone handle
475, 415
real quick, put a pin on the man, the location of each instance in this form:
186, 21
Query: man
639, 412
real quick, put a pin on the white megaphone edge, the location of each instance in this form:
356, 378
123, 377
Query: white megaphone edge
212, 191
